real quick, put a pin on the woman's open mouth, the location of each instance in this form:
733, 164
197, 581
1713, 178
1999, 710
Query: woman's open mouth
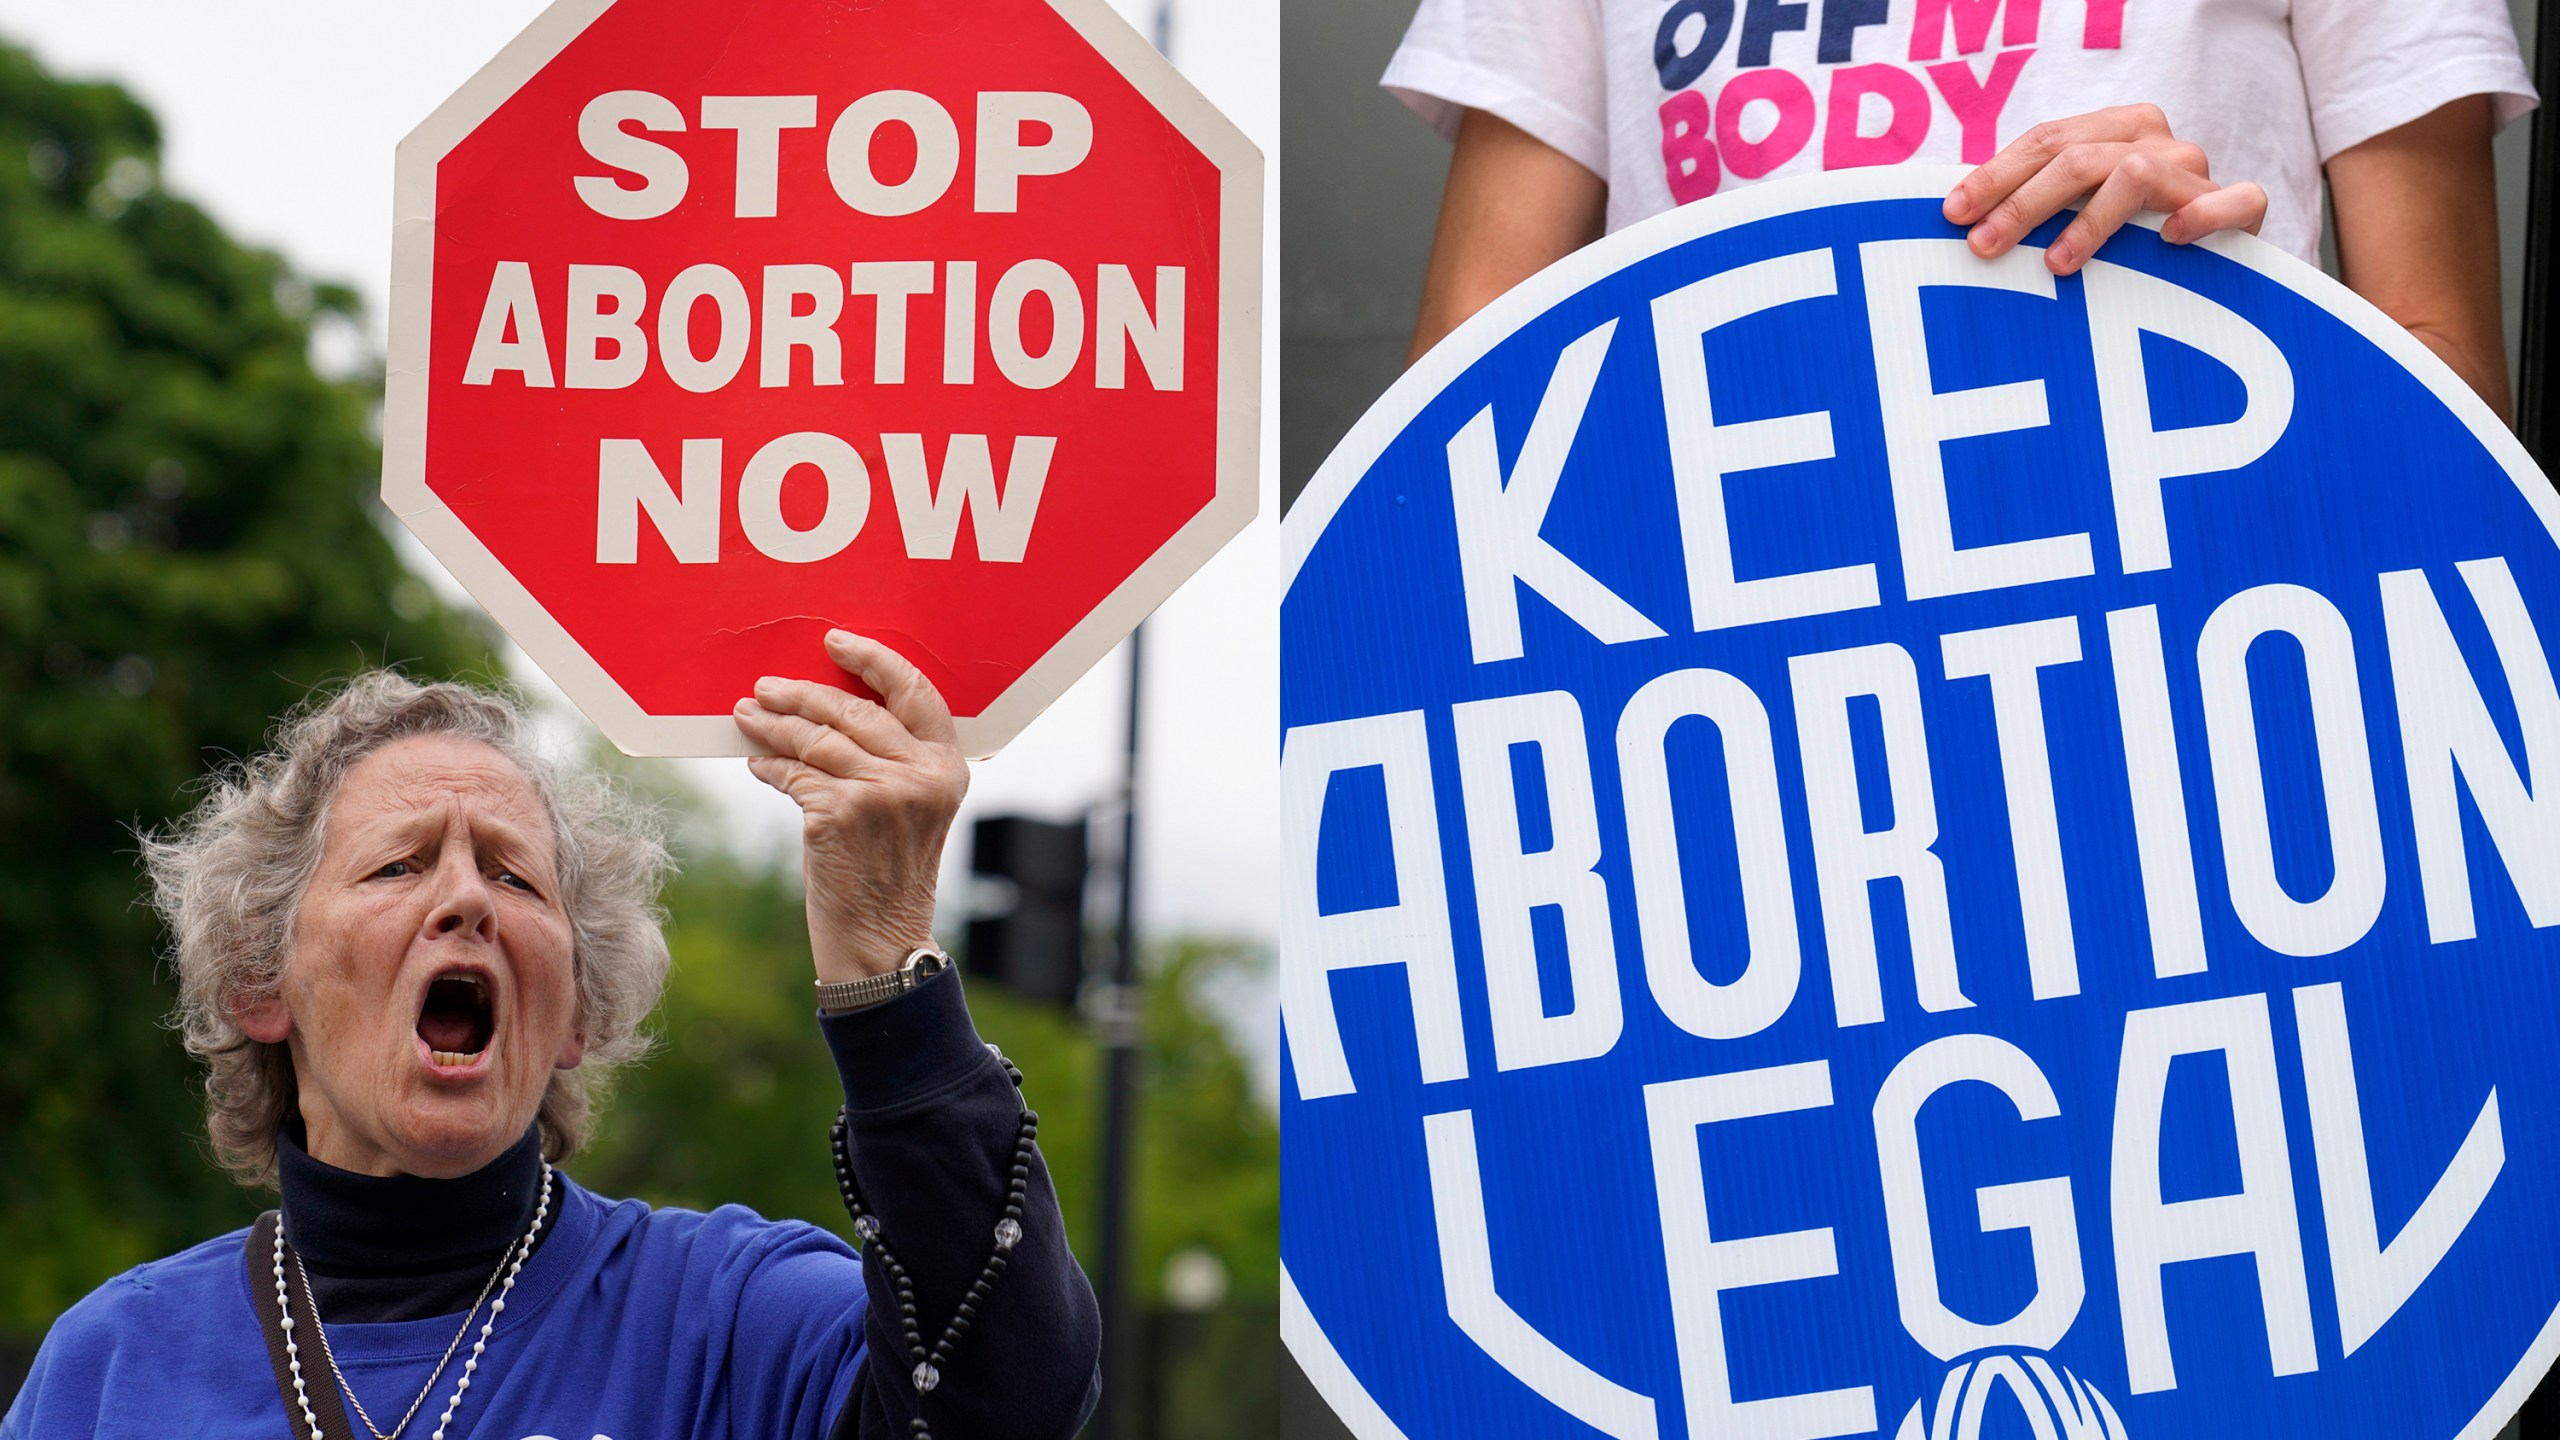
457, 1020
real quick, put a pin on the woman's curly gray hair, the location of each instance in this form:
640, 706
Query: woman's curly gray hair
228, 879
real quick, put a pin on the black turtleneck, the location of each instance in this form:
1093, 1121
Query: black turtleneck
933, 1121
400, 1247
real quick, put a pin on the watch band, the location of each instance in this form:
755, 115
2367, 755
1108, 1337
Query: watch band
842, 996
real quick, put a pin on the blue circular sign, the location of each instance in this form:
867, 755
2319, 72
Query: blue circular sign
1877, 842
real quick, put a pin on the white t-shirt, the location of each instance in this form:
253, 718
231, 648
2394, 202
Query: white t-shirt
1670, 100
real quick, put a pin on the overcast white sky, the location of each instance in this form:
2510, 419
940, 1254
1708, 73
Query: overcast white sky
280, 117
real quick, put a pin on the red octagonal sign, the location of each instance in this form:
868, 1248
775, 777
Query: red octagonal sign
719, 323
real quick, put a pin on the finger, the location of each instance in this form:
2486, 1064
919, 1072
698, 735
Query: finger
900, 685
2074, 172
872, 728
781, 772
792, 737
2233, 207
2023, 158
2142, 181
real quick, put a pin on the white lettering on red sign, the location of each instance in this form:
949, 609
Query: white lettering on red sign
700, 326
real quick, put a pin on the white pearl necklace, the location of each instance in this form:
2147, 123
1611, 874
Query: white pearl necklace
510, 1263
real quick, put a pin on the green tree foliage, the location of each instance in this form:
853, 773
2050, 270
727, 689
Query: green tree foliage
185, 548
1209, 1153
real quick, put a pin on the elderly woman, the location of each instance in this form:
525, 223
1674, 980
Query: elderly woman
409, 949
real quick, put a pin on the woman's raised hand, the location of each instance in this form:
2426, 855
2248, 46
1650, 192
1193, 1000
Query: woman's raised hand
2124, 160
877, 783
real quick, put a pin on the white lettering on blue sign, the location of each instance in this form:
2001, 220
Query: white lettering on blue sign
2060, 931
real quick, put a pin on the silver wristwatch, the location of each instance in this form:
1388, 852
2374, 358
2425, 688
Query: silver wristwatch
923, 963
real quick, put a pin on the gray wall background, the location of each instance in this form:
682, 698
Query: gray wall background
1359, 193
1361, 189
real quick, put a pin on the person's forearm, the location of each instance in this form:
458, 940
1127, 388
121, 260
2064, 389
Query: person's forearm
1513, 206
2417, 216
934, 1124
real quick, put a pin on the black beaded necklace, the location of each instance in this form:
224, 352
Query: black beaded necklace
1008, 1233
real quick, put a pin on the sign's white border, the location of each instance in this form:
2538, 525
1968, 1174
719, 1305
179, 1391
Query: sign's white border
561, 656
1316, 506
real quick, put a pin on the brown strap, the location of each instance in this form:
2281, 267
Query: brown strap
317, 1384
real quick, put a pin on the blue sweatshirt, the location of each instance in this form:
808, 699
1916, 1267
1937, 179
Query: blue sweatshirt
629, 1322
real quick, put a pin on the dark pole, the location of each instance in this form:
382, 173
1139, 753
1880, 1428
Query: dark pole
1122, 1017
2538, 368
1123, 1021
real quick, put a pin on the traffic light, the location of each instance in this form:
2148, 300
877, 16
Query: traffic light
1027, 933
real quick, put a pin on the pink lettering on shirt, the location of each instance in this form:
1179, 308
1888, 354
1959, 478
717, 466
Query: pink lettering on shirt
1689, 164
1907, 108
1971, 20
1751, 159
2104, 28
1977, 103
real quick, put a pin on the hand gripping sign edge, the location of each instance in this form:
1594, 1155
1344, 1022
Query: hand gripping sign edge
1303, 1329
406, 493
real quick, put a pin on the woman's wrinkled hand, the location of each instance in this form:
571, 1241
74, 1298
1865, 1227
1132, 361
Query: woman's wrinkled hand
2124, 160
877, 783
